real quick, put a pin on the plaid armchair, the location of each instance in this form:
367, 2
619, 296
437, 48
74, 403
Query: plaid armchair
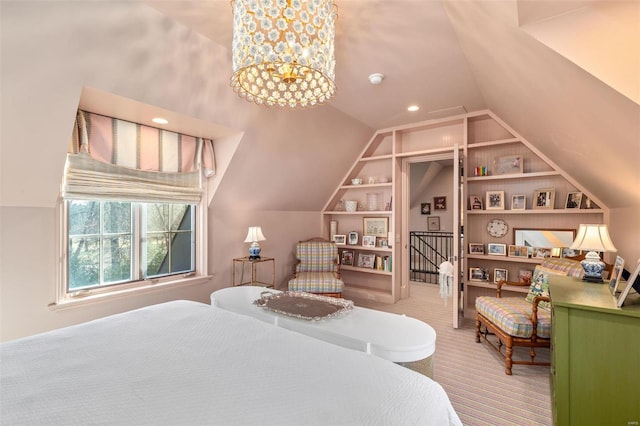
318, 268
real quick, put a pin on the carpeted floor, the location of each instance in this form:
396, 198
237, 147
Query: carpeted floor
472, 373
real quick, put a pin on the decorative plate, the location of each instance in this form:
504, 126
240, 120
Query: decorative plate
303, 305
497, 228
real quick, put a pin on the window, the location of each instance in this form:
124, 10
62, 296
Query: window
115, 242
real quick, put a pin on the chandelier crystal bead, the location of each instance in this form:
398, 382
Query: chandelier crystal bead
283, 51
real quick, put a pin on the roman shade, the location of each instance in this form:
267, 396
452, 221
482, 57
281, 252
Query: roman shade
117, 159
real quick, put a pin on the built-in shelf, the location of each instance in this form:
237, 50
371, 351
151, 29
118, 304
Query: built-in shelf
494, 258
536, 211
492, 143
367, 270
377, 158
367, 185
529, 175
359, 213
365, 248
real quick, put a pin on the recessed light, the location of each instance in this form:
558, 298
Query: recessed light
413, 108
160, 120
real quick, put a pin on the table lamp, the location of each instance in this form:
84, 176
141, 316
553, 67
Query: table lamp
253, 236
594, 238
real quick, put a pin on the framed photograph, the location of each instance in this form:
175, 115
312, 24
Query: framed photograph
475, 248
347, 258
509, 164
500, 274
544, 198
616, 275
366, 260
497, 249
475, 202
352, 238
376, 226
340, 240
382, 243
494, 200
433, 223
369, 240
574, 199
518, 202
425, 208
478, 274
541, 252
440, 203
568, 252
518, 251
633, 282
525, 275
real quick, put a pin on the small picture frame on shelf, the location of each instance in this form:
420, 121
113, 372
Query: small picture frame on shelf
376, 226
574, 200
544, 198
497, 249
366, 260
368, 241
519, 202
500, 274
383, 243
439, 203
340, 240
568, 252
476, 248
425, 208
478, 274
518, 251
616, 275
347, 258
524, 276
494, 200
475, 202
352, 238
433, 223
541, 252
508, 164
632, 283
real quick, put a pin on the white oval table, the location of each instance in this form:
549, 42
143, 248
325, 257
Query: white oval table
397, 338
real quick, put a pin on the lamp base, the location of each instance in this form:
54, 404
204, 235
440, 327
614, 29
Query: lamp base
595, 280
593, 268
254, 251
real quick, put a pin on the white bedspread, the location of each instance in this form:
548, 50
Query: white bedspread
187, 363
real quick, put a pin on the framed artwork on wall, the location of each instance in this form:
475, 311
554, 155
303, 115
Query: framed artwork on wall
433, 223
440, 203
425, 208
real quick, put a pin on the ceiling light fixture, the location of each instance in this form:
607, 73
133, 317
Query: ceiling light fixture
160, 120
376, 78
283, 51
413, 108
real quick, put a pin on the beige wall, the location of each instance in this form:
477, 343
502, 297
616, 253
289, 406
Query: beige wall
624, 229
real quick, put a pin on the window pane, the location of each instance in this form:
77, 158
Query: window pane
84, 217
117, 217
157, 217
181, 252
181, 217
84, 262
157, 255
117, 258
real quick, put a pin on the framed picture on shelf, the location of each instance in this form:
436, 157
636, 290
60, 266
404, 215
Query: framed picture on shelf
574, 199
544, 198
519, 202
508, 164
369, 240
425, 208
500, 274
476, 248
475, 202
541, 252
494, 200
524, 276
352, 238
376, 226
347, 258
497, 249
518, 251
633, 282
439, 203
340, 240
478, 274
366, 260
382, 243
433, 223
616, 275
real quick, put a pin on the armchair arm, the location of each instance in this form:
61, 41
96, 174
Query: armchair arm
500, 283
534, 311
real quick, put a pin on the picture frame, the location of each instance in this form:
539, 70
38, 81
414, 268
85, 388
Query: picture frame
368, 241
347, 258
541, 252
519, 202
439, 203
544, 198
500, 274
433, 223
478, 274
518, 251
631, 283
574, 200
495, 249
340, 240
494, 200
475, 202
616, 275
476, 248
376, 226
525, 276
425, 208
352, 238
508, 165
366, 260
384, 243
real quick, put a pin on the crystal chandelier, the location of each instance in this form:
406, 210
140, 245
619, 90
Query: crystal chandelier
283, 51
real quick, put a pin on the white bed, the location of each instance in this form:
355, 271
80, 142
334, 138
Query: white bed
188, 363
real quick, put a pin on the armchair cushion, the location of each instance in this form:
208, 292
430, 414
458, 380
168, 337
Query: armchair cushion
316, 282
513, 316
316, 256
540, 284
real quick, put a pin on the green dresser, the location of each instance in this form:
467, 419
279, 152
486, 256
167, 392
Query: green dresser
595, 372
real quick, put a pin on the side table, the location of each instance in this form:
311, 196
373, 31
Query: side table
243, 261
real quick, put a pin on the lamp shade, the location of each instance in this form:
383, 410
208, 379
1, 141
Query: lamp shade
593, 237
254, 234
